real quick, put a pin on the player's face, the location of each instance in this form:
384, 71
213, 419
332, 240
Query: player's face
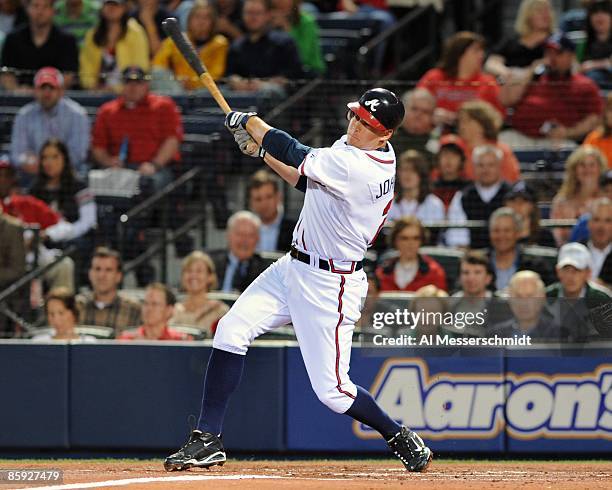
60, 317
474, 279
600, 226
104, 275
361, 135
52, 161
504, 234
48, 96
487, 170
264, 202
155, 311
242, 239
407, 243
196, 278
572, 279
526, 301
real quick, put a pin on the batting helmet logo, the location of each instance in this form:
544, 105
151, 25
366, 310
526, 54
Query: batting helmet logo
372, 104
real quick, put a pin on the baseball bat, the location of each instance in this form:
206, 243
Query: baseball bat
173, 29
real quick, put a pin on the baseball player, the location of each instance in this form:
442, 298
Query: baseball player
320, 284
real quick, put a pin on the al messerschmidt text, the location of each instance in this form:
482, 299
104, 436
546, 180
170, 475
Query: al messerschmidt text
444, 340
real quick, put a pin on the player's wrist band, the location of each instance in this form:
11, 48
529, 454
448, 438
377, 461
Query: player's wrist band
262, 152
246, 118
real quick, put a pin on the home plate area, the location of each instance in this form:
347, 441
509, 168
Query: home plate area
332, 474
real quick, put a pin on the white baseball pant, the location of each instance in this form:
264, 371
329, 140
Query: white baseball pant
323, 307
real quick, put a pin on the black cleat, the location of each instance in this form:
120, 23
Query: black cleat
203, 449
410, 449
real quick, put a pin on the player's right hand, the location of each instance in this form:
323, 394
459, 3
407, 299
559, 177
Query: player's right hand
236, 120
247, 145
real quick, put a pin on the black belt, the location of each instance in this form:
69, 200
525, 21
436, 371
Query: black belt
326, 265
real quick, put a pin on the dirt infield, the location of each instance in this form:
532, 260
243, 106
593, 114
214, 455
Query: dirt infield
306, 475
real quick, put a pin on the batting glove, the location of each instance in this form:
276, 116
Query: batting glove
247, 145
235, 120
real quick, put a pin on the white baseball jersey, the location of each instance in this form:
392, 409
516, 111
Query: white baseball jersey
349, 194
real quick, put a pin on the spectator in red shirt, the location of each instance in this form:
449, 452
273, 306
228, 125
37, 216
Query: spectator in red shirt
139, 130
459, 78
30, 211
409, 270
157, 309
554, 107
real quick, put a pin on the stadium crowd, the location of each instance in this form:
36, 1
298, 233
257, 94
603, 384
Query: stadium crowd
468, 120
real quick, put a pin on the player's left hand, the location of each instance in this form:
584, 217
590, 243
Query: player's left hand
235, 120
247, 145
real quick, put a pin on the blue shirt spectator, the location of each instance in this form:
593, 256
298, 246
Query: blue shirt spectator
51, 115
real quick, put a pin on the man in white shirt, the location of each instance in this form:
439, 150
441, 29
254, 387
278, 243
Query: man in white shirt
478, 200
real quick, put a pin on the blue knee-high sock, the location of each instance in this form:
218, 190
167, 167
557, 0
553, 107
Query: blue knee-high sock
365, 410
222, 378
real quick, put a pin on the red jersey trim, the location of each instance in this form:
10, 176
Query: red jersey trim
386, 162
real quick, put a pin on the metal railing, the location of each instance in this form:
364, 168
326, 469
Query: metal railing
162, 201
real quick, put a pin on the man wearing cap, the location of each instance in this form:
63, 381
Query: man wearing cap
51, 115
138, 130
415, 131
554, 105
37, 44
576, 295
574, 271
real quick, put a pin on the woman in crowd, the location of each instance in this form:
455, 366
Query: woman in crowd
211, 48
524, 201
62, 315
198, 276
413, 193
534, 24
601, 138
580, 187
114, 44
409, 270
479, 124
302, 27
595, 52
448, 174
58, 186
459, 77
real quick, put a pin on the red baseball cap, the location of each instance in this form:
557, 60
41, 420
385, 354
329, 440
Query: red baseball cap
453, 139
49, 76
